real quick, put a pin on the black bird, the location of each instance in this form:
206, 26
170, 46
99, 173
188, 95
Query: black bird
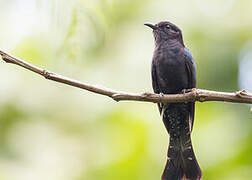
173, 70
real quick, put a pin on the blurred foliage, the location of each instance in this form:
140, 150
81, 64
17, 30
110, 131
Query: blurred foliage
10, 115
52, 131
103, 19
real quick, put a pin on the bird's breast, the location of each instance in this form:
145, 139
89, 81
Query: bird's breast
171, 70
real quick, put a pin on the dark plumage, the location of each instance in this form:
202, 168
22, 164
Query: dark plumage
173, 70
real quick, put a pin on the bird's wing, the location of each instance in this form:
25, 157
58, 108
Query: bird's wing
155, 83
191, 72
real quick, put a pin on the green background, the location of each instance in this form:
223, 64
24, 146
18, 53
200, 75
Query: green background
50, 131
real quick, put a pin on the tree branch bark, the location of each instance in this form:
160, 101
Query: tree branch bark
191, 96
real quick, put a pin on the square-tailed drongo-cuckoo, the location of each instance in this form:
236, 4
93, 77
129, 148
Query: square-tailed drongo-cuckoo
173, 70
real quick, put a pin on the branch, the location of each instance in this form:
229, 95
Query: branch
191, 96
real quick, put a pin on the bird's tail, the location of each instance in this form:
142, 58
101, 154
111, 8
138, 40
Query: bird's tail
181, 163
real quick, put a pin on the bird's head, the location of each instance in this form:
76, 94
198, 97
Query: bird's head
165, 30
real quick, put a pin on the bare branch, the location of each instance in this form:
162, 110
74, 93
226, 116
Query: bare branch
193, 95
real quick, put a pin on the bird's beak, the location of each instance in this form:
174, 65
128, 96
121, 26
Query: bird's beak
151, 26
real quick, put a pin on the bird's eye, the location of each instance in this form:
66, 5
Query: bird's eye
168, 26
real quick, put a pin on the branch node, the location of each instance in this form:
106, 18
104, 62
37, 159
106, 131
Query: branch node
6, 58
241, 93
47, 74
195, 94
116, 97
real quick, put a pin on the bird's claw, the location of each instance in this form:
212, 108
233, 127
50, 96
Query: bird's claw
184, 91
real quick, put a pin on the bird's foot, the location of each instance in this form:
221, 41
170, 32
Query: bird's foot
161, 95
184, 91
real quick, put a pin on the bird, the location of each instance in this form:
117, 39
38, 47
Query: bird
173, 71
